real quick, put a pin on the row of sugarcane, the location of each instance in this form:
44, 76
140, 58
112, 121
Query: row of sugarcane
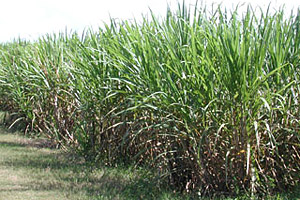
209, 99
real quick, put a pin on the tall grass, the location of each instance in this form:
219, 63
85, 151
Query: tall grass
209, 99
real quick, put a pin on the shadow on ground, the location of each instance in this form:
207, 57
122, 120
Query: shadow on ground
51, 169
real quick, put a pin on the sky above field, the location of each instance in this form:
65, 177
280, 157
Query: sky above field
32, 18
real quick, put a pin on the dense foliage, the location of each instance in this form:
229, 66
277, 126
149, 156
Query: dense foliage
209, 99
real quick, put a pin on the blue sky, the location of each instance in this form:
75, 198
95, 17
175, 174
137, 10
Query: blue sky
32, 18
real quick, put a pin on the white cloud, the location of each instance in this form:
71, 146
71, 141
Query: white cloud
30, 18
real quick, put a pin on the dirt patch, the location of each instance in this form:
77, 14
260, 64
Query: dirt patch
38, 143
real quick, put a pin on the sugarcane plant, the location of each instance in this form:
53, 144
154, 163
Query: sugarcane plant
209, 99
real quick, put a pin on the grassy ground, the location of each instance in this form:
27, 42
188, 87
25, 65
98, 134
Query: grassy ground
29, 169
